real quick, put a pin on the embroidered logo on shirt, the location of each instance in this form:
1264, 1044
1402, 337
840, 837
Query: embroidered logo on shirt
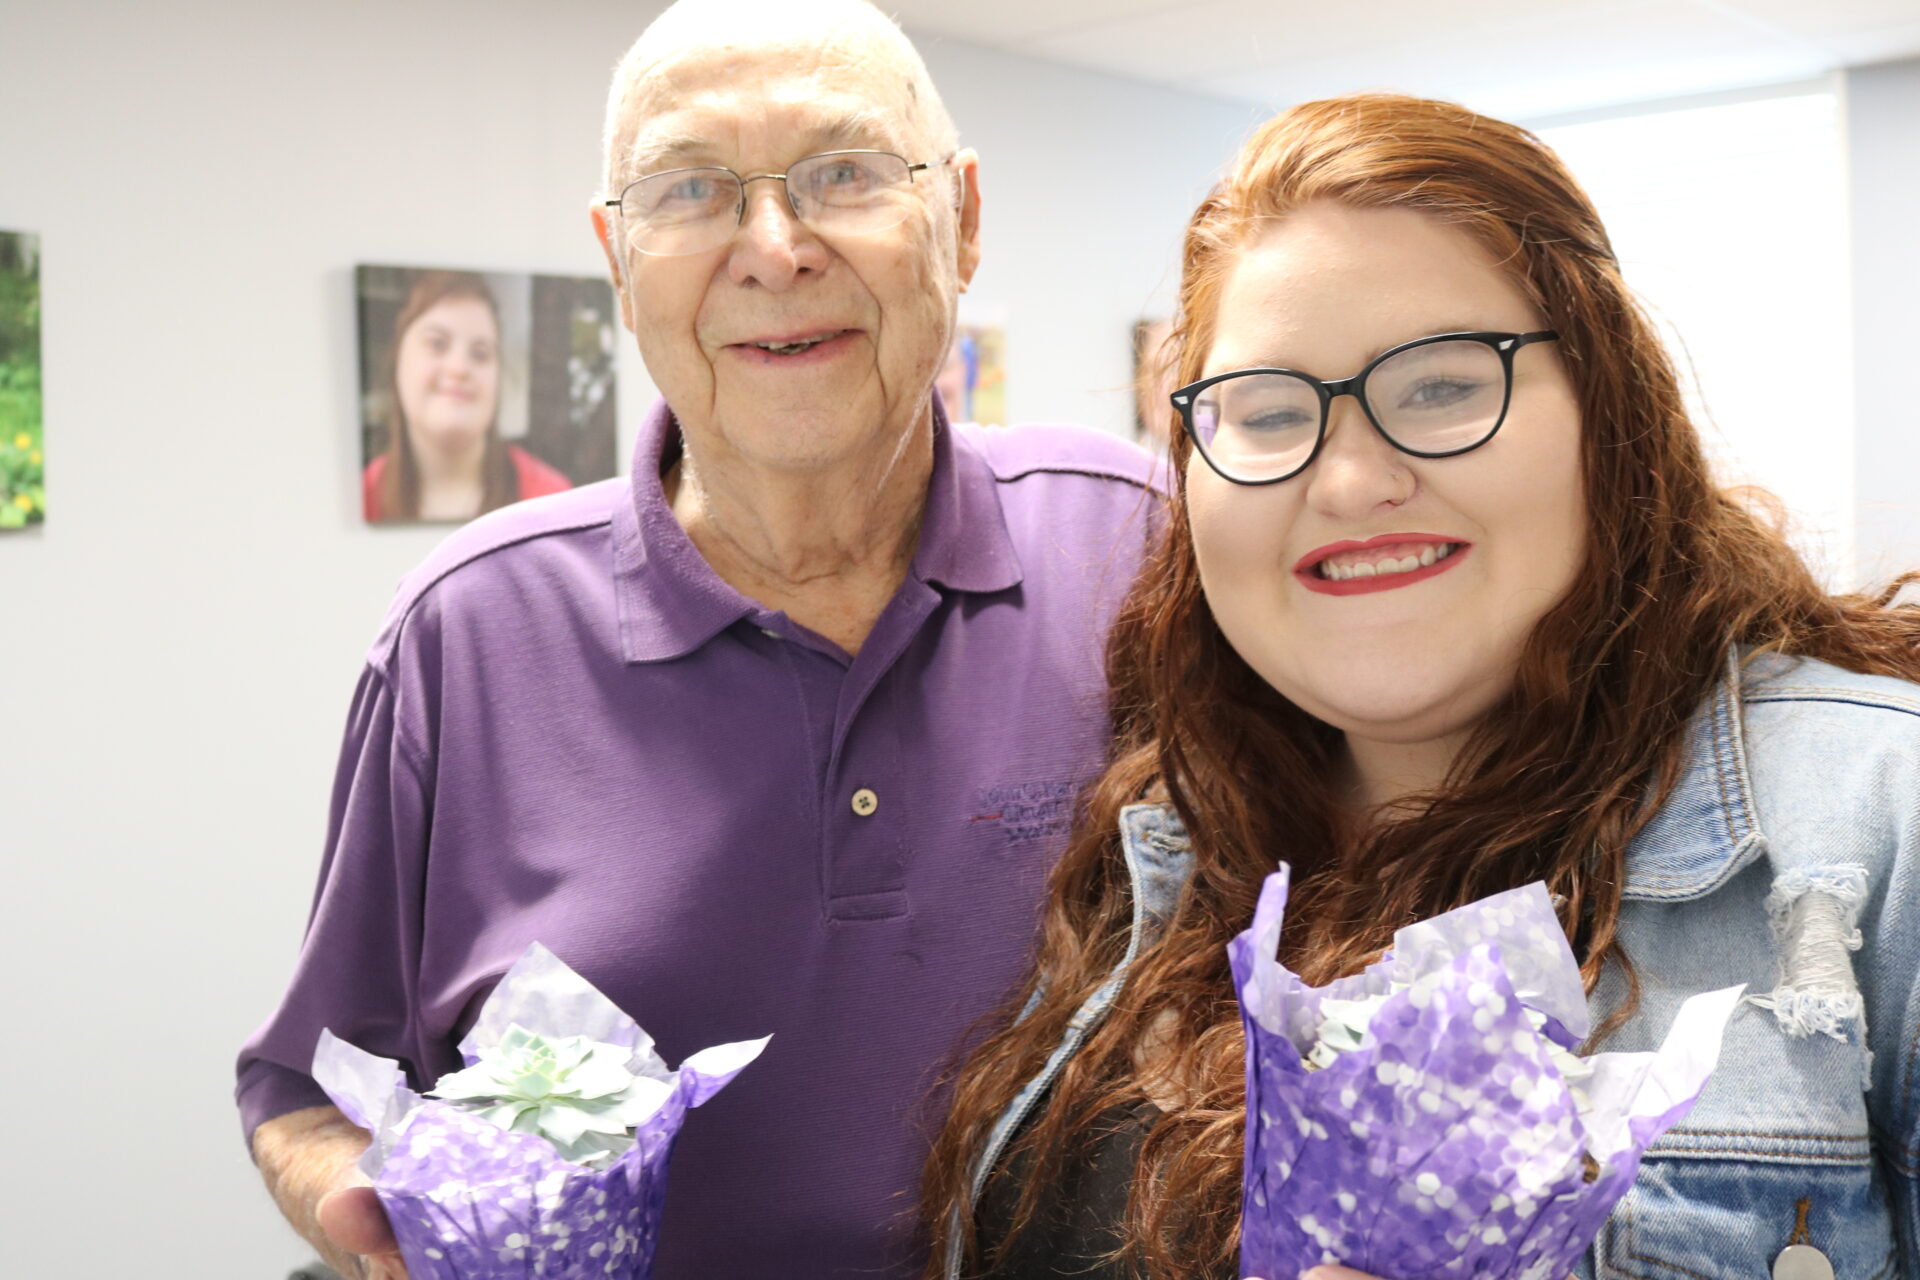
1027, 810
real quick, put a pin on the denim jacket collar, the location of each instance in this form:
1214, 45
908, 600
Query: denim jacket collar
1159, 860
1707, 830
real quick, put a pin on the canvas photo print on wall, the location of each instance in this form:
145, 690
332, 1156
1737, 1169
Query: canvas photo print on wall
23, 470
1153, 381
478, 389
973, 381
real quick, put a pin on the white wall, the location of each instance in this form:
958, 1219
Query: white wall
178, 643
1883, 140
1088, 186
1751, 295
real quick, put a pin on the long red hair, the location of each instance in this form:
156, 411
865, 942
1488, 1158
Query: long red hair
1555, 782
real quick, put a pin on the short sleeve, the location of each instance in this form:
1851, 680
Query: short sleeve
355, 974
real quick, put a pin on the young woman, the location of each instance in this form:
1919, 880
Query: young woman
444, 458
1447, 604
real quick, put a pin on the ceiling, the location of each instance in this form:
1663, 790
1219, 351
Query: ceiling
1525, 59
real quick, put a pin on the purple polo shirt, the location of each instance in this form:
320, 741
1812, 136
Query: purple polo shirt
571, 730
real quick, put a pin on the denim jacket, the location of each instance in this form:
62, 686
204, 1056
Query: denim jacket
1788, 859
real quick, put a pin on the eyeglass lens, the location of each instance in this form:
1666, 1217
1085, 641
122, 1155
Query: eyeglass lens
692, 210
1439, 398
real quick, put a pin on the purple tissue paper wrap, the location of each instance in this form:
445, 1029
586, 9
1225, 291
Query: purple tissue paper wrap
1448, 1144
471, 1201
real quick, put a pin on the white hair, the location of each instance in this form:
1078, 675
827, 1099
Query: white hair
693, 23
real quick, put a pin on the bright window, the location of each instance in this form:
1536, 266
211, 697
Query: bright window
1730, 224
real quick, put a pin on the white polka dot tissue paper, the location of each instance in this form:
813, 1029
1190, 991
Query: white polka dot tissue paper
547, 1155
1430, 1116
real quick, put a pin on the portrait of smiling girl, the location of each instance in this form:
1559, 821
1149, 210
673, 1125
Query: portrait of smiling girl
444, 459
1449, 602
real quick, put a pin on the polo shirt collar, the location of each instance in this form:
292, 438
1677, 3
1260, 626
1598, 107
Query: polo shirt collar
964, 543
671, 601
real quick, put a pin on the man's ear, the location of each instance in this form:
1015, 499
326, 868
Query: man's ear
615, 267
966, 178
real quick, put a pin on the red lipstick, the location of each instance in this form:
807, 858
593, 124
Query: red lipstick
1308, 568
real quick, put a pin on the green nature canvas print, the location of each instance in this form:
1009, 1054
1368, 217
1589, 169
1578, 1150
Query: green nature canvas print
23, 471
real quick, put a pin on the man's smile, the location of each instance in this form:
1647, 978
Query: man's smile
816, 346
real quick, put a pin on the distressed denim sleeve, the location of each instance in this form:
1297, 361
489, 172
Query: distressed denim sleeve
1891, 983
354, 973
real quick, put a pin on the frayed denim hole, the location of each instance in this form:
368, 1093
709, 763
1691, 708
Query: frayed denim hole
1814, 915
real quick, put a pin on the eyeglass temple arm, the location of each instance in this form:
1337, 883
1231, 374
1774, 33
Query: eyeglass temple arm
930, 164
1528, 339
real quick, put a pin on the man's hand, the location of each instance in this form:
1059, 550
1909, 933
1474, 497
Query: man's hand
352, 1219
308, 1160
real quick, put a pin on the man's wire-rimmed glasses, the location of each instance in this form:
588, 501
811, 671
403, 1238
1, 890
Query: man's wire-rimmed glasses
683, 211
1433, 397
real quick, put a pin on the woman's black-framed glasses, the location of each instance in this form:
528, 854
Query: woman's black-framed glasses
1433, 398
683, 211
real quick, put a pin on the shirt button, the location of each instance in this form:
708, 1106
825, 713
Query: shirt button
1802, 1262
865, 802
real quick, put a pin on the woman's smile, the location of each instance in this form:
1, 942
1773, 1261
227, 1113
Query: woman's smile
1378, 564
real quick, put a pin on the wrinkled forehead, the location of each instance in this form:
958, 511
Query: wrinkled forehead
767, 102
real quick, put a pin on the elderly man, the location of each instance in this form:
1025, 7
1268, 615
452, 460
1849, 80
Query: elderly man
777, 735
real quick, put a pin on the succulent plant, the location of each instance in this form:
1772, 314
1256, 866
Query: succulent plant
577, 1093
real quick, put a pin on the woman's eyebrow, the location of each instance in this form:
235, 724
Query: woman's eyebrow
1412, 334
1428, 331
